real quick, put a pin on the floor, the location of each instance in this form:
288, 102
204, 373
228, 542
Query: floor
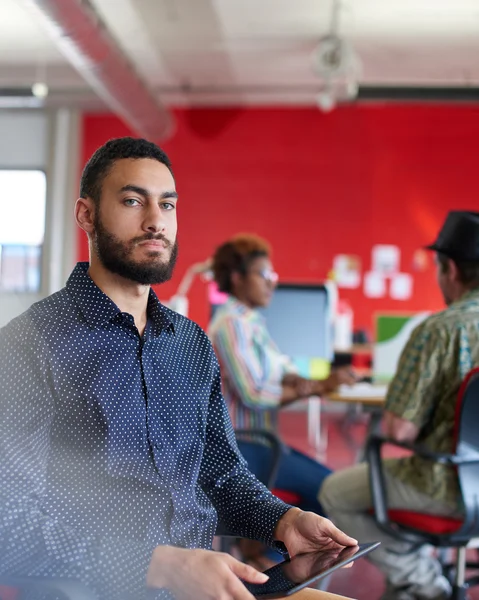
363, 581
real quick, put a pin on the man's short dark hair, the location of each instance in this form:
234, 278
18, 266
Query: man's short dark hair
468, 270
101, 162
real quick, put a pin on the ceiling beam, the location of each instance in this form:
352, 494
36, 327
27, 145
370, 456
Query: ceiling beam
85, 41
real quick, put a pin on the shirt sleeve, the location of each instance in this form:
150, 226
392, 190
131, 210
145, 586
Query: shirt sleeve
245, 507
413, 392
32, 541
254, 370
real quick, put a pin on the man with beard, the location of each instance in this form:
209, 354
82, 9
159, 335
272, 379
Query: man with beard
118, 455
420, 407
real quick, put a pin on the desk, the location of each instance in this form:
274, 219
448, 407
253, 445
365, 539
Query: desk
367, 396
310, 594
360, 395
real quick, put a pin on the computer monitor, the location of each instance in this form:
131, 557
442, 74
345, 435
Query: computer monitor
393, 331
299, 321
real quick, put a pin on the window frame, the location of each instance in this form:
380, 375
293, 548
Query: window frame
43, 250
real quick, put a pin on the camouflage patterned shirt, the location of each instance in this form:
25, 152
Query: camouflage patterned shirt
437, 357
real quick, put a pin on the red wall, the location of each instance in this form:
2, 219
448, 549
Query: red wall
316, 185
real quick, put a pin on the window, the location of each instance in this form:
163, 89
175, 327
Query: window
22, 228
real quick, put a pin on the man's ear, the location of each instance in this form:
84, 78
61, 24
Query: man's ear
85, 214
452, 270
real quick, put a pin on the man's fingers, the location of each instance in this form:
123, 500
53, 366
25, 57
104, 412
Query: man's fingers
247, 573
349, 565
337, 535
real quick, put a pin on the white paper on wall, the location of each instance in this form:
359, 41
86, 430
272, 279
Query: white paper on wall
347, 271
401, 286
386, 259
374, 285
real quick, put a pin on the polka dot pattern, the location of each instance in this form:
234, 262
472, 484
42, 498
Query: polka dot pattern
112, 444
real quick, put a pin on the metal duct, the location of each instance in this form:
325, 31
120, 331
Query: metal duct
86, 43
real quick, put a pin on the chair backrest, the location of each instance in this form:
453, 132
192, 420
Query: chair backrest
267, 470
467, 444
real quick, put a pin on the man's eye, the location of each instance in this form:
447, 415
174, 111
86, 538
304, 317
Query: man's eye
131, 202
168, 205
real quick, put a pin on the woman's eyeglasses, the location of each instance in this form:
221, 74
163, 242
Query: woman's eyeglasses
268, 275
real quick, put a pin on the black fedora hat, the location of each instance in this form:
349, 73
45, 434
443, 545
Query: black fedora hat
459, 236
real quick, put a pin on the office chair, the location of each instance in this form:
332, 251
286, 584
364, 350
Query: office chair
13, 588
268, 470
267, 473
441, 532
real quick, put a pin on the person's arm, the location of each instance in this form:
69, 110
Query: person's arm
413, 392
201, 574
399, 429
301, 531
255, 372
33, 540
290, 393
245, 507
296, 387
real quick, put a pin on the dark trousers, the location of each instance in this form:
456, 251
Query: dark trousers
297, 473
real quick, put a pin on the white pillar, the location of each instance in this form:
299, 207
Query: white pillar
60, 246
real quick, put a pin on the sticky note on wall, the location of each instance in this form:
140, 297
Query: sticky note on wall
319, 368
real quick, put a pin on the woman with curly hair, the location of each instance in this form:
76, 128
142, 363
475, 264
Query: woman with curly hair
257, 378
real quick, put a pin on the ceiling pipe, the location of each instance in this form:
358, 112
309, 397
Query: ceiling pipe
84, 40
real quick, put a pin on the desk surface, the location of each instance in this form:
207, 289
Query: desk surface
310, 594
367, 394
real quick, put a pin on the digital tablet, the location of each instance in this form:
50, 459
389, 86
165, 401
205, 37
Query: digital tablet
292, 575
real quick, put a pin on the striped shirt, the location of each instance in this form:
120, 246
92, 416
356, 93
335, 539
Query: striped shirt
252, 366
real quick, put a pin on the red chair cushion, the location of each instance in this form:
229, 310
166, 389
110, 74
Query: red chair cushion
286, 496
8, 593
422, 522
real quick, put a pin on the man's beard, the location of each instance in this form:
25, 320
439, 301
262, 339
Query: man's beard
115, 256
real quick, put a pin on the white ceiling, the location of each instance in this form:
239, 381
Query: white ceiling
253, 51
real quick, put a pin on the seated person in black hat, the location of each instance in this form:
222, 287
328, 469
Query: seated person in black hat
420, 407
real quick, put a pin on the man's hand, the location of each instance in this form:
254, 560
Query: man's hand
200, 574
304, 532
398, 428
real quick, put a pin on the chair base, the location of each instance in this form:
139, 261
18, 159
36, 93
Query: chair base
459, 592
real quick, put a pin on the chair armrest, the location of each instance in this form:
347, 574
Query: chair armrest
273, 442
465, 456
67, 588
376, 478
378, 488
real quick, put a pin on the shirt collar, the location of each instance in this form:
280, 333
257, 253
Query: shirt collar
470, 295
234, 305
98, 309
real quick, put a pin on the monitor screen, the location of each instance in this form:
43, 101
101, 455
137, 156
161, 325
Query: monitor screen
298, 319
299, 322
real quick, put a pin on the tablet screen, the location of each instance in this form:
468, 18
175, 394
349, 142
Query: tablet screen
292, 575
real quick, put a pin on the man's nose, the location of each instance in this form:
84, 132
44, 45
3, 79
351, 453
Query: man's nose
154, 221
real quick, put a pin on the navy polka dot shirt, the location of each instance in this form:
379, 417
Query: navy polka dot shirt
112, 443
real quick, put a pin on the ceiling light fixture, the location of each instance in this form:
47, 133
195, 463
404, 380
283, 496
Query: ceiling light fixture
40, 89
336, 63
